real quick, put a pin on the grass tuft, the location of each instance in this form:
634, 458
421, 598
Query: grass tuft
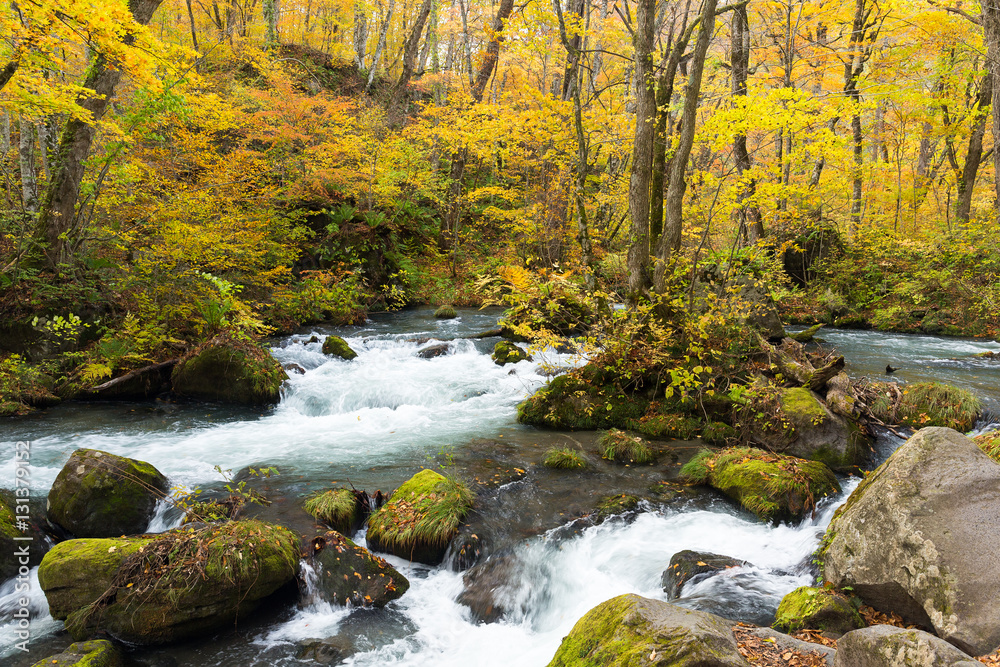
620, 446
990, 443
564, 459
338, 508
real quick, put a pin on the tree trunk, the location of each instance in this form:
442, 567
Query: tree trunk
56, 230
360, 35
990, 18
26, 152
410, 53
194, 34
670, 241
383, 30
748, 216
974, 154
270, 10
466, 41
642, 148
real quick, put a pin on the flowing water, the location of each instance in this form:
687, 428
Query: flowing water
374, 421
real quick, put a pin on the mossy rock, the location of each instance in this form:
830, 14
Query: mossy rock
420, 518
630, 630
937, 404
445, 312
341, 509
97, 494
718, 433
619, 446
349, 574
807, 335
94, 653
774, 487
692, 566
614, 505
810, 608
170, 587
229, 369
564, 459
571, 402
8, 531
338, 347
506, 352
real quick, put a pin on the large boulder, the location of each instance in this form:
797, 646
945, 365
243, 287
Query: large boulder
889, 646
97, 494
338, 347
689, 566
632, 630
774, 487
231, 370
919, 537
170, 587
812, 431
485, 587
420, 518
95, 653
820, 609
347, 573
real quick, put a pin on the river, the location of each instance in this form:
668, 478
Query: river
375, 421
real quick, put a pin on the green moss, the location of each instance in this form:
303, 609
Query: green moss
772, 486
338, 347
506, 352
800, 403
619, 504
936, 404
619, 446
338, 508
571, 402
717, 433
564, 459
601, 638
445, 312
94, 653
807, 335
816, 609
230, 368
421, 517
7, 527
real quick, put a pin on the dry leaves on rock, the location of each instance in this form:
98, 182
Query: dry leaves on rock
766, 653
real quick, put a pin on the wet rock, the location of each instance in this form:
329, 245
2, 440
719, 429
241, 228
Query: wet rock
312, 339
820, 609
889, 646
434, 351
816, 433
344, 510
420, 518
347, 573
231, 370
784, 643
94, 653
445, 312
329, 651
170, 587
338, 347
506, 352
295, 368
774, 487
919, 535
98, 494
692, 566
632, 630
485, 587
492, 333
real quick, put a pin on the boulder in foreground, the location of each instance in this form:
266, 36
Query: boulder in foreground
95, 653
348, 573
889, 646
229, 369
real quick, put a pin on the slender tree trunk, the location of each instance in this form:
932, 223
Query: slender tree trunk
642, 148
410, 53
748, 215
271, 10
670, 241
466, 40
990, 18
598, 60
26, 153
383, 30
360, 34
194, 34
56, 230
974, 154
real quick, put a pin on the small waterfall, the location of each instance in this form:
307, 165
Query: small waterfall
166, 516
39, 622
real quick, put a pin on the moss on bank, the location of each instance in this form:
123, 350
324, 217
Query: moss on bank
230, 368
820, 609
926, 404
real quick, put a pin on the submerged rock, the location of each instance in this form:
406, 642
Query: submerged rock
98, 494
420, 518
338, 347
347, 573
174, 586
889, 646
692, 566
632, 630
232, 370
820, 609
506, 352
485, 587
445, 312
919, 537
329, 651
772, 486
434, 351
94, 653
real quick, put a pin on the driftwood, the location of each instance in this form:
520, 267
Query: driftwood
798, 367
839, 396
141, 383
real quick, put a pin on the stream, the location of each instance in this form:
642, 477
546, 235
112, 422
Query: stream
375, 421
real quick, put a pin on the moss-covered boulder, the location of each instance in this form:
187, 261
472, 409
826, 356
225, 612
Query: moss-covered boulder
570, 401
420, 518
808, 429
158, 589
811, 608
631, 630
229, 369
807, 335
341, 509
97, 494
94, 653
691, 566
928, 404
772, 486
719, 434
506, 352
619, 446
918, 537
349, 574
445, 312
8, 531
338, 347
610, 506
